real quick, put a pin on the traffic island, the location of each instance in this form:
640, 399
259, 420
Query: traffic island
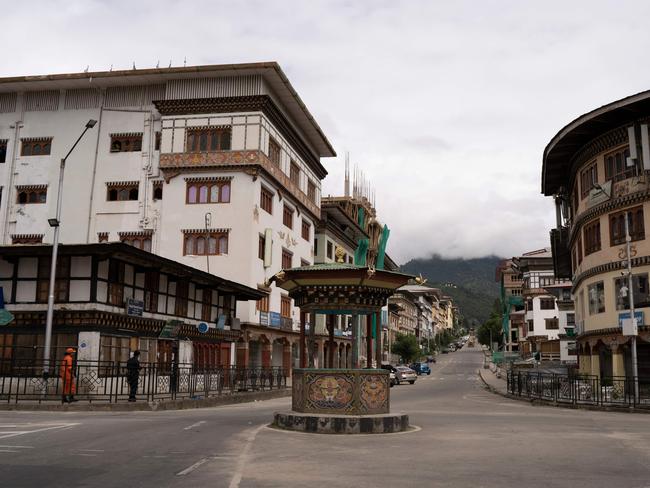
341, 401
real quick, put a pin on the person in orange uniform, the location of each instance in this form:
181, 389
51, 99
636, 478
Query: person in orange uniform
66, 372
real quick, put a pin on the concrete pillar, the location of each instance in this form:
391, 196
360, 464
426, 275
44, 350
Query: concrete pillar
595, 363
585, 364
185, 352
242, 354
618, 363
266, 354
233, 354
88, 347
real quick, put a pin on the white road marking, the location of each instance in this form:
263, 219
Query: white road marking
7, 450
194, 425
243, 457
5, 435
84, 454
16, 447
91, 450
192, 468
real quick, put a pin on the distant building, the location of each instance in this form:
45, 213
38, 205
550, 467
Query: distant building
543, 320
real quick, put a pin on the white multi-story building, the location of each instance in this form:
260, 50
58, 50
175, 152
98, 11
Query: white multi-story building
544, 321
216, 167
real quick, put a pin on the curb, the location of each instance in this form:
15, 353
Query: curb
181, 404
538, 402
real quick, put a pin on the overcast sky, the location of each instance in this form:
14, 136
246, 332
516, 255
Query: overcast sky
446, 106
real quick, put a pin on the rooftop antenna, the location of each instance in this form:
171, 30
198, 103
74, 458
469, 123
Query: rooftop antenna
87, 68
347, 174
158, 64
170, 64
134, 65
111, 68
184, 61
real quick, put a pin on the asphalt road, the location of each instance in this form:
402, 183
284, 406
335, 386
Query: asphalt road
466, 437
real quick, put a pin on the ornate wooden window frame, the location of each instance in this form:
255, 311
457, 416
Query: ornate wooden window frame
202, 242
138, 239
28, 194
126, 142
214, 190
36, 146
208, 139
27, 238
122, 191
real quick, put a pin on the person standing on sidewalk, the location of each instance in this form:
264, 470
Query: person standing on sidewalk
133, 374
66, 372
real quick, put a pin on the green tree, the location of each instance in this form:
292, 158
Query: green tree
406, 347
493, 327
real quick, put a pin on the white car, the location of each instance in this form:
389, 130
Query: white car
404, 374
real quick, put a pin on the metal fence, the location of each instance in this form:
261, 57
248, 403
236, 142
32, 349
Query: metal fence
579, 389
108, 382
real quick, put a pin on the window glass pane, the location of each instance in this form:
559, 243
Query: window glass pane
123, 195
200, 245
27, 149
191, 194
214, 140
32, 197
596, 294
223, 245
46, 148
212, 245
225, 193
36, 149
189, 245
190, 141
42, 196
203, 144
147, 245
203, 194
214, 193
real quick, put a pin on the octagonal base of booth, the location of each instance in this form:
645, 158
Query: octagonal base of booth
342, 424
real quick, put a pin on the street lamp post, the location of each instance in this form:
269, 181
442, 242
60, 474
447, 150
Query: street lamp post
630, 285
55, 223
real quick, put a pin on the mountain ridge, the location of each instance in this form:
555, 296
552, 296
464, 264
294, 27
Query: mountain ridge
470, 282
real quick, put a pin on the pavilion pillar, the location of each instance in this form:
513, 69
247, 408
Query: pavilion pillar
330, 347
369, 341
301, 346
312, 339
267, 348
355, 342
378, 345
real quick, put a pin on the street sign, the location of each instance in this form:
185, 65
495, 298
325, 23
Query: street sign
134, 307
275, 319
202, 327
630, 327
170, 329
264, 318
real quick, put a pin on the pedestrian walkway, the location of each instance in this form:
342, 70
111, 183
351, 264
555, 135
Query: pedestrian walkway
497, 385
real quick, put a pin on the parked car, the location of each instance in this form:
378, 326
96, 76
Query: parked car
421, 368
393, 371
404, 374
445, 350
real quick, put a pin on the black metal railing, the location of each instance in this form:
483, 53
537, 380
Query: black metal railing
579, 389
110, 382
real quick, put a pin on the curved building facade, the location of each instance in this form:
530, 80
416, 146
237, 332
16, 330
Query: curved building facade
598, 170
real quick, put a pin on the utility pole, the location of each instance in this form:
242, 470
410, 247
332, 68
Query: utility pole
630, 280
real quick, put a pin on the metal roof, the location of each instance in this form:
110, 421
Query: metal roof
559, 153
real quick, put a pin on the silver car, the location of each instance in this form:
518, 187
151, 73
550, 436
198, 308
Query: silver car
404, 374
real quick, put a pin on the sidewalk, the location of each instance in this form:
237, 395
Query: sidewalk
180, 404
494, 384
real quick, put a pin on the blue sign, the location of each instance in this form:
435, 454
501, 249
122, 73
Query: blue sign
275, 319
134, 307
202, 327
264, 318
626, 315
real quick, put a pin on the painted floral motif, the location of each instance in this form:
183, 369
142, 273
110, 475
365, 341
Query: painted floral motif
373, 393
331, 392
